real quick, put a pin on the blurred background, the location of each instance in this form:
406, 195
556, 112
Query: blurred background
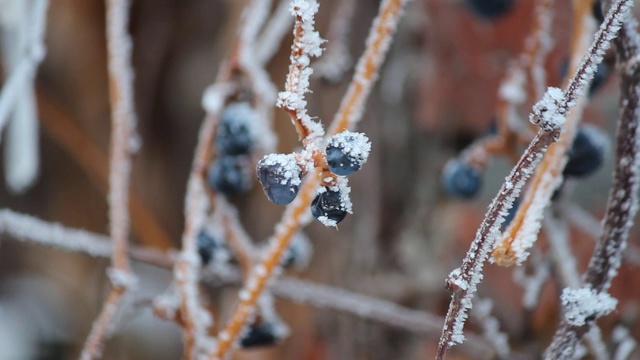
436, 93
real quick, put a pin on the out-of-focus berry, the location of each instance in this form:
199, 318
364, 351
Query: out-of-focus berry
587, 152
461, 179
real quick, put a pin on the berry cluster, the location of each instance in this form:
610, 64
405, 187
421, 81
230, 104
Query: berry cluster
281, 175
230, 173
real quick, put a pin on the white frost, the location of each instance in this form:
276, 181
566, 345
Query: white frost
584, 303
549, 113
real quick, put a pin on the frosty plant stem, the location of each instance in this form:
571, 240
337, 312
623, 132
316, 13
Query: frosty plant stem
350, 112
622, 204
122, 146
549, 114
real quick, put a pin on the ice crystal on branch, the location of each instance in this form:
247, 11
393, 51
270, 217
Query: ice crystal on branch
586, 304
307, 43
549, 113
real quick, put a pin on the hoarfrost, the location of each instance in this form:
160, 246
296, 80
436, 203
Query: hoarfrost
549, 113
355, 144
286, 167
585, 303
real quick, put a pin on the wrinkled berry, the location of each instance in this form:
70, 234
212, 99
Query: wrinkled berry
262, 334
347, 152
233, 136
279, 175
229, 175
461, 179
587, 152
490, 9
328, 205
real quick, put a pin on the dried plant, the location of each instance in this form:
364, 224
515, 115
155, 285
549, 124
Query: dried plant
226, 285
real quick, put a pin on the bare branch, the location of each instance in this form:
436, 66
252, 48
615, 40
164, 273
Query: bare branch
123, 143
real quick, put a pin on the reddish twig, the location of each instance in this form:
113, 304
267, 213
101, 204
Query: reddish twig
549, 113
122, 138
622, 204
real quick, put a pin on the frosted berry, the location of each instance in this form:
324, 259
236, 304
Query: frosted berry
587, 152
328, 205
461, 179
490, 9
347, 152
233, 135
229, 175
279, 175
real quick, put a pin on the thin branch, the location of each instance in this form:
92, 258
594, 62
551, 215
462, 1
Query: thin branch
523, 230
32, 230
274, 31
349, 113
622, 204
122, 146
306, 44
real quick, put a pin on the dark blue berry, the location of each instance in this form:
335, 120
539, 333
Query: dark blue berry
587, 152
599, 77
262, 334
207, 247
461, 179
347, 152
328, 204
597, 11
512, 213
490, 9
233, 135
280, 177
229, 175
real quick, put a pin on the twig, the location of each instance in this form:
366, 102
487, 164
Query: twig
32, 230
122, 138
350, 112
622, 204
23, 50
565, 266
523, 230
306, 44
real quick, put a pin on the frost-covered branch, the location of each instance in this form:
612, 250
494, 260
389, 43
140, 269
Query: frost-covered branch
549, 113
523, 231
274, 31
22, 41
306, 44
622, 204
124, 142
491, 328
